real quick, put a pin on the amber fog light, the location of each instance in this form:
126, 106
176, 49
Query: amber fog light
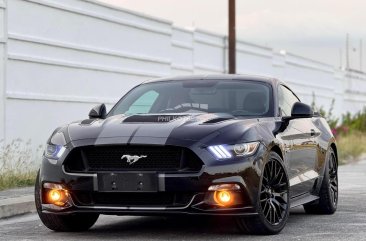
224, 195
56, 194
223, 198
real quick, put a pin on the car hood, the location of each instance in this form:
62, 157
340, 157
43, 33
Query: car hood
159, 129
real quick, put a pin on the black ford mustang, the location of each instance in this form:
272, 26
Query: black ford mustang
229, 145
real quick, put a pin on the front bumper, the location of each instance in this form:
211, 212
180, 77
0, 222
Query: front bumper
246, 173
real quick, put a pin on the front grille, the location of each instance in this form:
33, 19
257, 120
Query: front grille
131, 199
109, 158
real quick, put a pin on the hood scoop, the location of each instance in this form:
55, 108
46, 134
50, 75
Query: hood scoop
152, 118
217, 120
88, 121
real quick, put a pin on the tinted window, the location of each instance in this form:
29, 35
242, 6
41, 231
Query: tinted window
143, 103
240, 98
286, 99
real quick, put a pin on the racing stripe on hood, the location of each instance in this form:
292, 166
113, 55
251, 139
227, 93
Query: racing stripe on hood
157, 135
122, 134
133, 134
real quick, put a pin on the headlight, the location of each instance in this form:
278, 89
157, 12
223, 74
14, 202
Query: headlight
54, 151
228, 151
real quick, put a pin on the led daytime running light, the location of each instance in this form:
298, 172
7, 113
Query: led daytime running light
228, 151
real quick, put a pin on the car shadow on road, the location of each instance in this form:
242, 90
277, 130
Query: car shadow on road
176, 227
172, 224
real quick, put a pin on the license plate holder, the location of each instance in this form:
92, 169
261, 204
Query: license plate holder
128, 182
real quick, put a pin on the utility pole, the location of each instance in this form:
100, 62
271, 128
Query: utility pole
232, 38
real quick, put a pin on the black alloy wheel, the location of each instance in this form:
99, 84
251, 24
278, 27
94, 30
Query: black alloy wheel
273, 200
328, 193
274, 192
333, 179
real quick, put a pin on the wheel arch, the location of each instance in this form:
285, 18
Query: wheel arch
277, 149
334, 147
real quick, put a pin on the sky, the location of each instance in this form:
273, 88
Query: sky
311, 28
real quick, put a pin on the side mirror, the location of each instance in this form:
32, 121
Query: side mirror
98, 111
301, 110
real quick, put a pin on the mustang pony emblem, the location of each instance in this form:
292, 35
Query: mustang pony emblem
132, 159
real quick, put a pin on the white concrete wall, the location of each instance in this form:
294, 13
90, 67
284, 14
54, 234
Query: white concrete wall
60, 58
2, 67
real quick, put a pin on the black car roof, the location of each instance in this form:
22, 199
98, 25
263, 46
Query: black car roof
269, 80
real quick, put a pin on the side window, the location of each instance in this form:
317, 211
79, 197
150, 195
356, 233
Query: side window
144, 103
286, 99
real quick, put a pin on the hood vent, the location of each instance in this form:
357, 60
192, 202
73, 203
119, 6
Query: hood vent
217, 120
87, 121
152, 118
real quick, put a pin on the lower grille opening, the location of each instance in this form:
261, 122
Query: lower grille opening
131, 199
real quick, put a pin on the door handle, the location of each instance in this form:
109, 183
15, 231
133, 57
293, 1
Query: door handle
312, 132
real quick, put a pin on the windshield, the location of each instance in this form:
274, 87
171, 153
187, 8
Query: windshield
235, 97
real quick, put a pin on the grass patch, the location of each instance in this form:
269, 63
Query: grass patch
18, 164
17, 179
351, 146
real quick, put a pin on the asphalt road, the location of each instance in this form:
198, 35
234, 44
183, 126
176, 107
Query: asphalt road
348, 223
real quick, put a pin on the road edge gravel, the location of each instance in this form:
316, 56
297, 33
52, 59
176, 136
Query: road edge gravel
16, 202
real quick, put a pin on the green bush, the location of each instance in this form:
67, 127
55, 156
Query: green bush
356, 122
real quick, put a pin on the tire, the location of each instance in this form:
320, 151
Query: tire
63, 223
328, 194
273, 199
